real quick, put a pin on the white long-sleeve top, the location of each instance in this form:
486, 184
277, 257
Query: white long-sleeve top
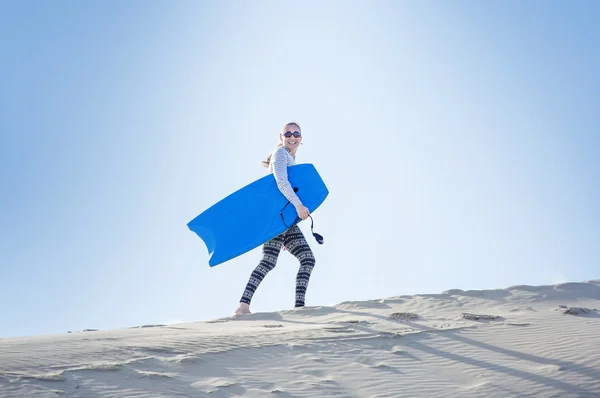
280, 160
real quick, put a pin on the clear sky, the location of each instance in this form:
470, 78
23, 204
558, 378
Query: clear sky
460, 142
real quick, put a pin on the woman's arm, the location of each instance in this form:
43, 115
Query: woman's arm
281, 176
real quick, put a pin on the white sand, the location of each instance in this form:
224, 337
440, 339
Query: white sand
515, 342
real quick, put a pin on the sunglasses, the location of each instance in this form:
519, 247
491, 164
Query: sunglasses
296, 134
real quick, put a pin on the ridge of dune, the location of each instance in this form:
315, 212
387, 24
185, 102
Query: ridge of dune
525, 341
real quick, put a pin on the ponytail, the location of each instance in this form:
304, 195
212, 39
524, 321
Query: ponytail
267, 162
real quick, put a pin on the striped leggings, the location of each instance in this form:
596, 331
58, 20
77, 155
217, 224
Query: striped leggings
296, 244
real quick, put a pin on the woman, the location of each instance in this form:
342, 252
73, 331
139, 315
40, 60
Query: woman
292, 239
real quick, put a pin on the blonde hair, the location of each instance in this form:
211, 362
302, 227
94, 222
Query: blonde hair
280, 143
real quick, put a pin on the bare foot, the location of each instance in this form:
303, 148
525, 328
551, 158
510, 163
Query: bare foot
243, 310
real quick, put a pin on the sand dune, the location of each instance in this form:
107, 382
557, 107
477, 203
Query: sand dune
522, 341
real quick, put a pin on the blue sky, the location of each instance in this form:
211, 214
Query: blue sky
459, 141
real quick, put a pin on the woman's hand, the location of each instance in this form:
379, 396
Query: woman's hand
302, 211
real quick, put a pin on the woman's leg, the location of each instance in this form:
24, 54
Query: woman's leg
270, 252
296, 244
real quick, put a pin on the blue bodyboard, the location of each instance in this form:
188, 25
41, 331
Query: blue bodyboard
253, 215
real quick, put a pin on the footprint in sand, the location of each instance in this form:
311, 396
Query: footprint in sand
357, 322
386, 368
404, 353
279, 393
577, 311
400, 316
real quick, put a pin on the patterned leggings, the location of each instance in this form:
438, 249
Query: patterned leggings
296, 244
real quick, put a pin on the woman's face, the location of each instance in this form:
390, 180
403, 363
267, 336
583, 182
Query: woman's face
293, 141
